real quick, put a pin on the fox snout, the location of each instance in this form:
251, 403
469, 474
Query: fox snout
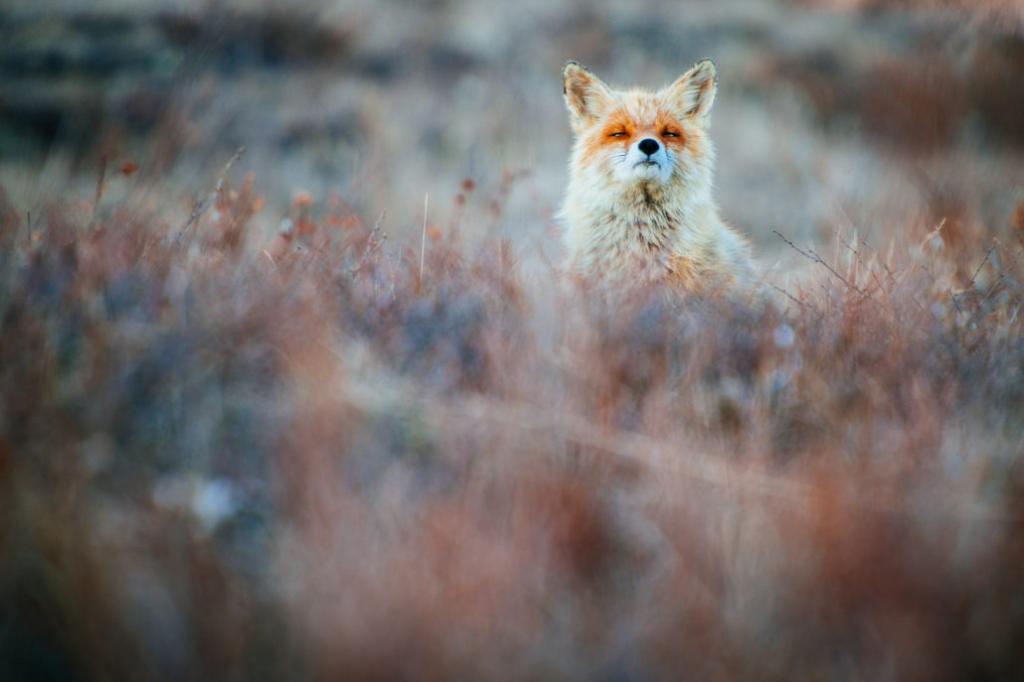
648, 146
646, 159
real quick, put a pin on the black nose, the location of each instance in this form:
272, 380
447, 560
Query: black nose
648, 146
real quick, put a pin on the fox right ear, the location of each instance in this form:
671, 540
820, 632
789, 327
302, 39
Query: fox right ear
693, 93
586, 95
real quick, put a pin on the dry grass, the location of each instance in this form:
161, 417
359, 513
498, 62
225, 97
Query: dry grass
363, 432
312, 457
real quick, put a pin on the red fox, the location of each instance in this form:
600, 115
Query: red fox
638, 209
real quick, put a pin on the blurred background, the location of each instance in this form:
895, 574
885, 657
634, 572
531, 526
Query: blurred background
319, 411
831, 113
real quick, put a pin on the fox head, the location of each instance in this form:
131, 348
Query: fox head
631, 138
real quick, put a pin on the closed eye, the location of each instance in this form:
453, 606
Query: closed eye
619, 133
669, 133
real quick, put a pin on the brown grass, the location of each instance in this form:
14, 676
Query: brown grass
228, 457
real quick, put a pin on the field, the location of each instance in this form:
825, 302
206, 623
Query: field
290, 387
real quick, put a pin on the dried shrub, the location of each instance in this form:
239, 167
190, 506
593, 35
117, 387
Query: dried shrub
326, 455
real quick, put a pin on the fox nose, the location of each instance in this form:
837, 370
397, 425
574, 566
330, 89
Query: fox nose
648, 146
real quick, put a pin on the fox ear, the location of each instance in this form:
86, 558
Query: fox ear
586, 95
693, 93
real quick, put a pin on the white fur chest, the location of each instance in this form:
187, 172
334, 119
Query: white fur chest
621, 240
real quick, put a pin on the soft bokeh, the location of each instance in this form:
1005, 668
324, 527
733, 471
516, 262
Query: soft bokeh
289, 387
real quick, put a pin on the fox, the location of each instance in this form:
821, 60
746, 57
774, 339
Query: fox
638, 208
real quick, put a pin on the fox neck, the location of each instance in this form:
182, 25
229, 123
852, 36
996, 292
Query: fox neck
642, 221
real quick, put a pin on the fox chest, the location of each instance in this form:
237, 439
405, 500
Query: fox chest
638, 246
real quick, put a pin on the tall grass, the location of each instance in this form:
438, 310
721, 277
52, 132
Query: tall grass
224, 456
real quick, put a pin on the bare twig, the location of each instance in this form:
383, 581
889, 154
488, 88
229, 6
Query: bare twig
374, 242
988, 254
934, 233
813, 256
200, 206
953, 295
788, 295
979, 307
860, 261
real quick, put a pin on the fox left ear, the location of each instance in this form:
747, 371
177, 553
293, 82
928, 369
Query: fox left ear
693, 93
586, 95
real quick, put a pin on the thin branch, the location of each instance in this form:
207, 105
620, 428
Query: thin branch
861, 262
813, 256
788, 295
934, 233
200, 206
988, 254
374, 242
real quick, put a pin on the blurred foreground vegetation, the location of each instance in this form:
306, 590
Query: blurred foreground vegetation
323, 409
